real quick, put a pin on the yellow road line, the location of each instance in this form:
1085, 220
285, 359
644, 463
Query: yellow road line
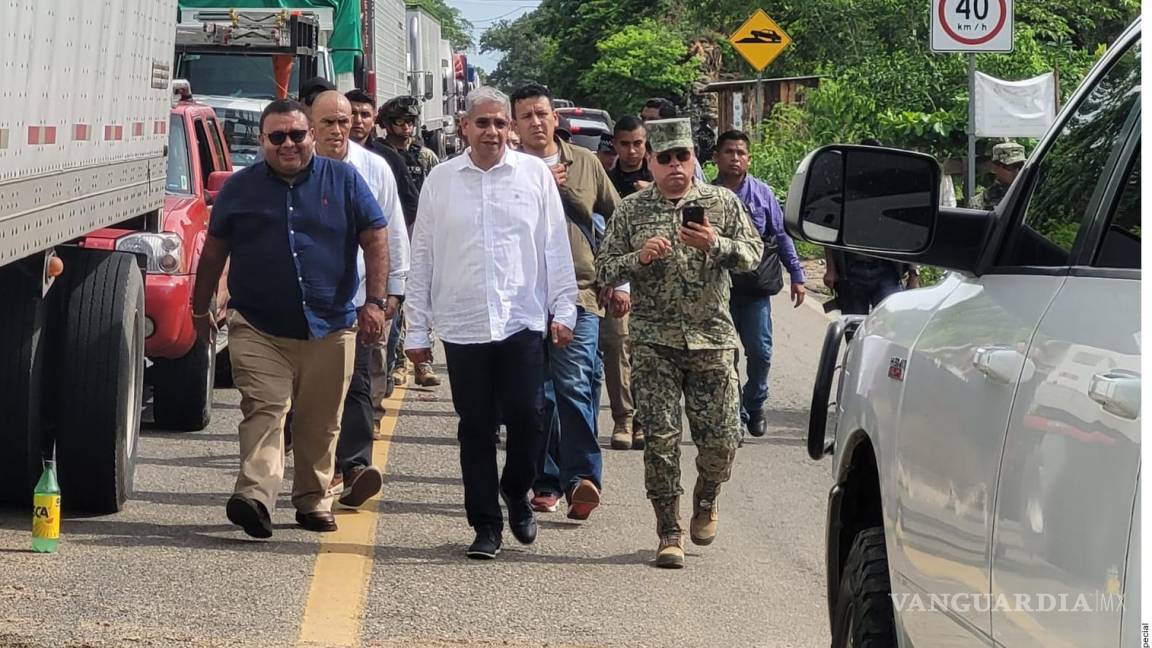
333, 613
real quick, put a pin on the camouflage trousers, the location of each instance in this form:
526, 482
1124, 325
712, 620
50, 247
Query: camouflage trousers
708, 382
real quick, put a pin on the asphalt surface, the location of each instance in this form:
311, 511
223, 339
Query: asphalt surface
171, 571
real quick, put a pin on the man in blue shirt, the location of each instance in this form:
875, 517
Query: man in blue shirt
751, 300
291, 225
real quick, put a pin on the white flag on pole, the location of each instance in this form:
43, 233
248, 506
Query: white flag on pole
1015, 108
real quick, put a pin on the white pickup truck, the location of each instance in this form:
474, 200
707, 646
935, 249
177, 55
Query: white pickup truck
985, 432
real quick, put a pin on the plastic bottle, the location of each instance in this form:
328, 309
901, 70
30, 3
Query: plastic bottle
46, 511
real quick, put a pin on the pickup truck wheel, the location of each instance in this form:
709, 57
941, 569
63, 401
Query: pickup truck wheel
100, 380
863, 616
182, 389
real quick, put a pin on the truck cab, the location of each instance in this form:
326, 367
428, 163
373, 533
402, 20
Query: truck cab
985, 431
182, 371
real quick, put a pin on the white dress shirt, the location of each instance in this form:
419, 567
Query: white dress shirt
490, 253
378, 176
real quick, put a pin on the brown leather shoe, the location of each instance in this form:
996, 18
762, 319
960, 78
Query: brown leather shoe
360, 484
318, 521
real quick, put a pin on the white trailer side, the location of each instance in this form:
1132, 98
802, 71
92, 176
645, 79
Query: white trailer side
390, 52
425, 67
84, 120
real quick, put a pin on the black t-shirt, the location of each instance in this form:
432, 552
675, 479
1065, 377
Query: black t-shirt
623, 180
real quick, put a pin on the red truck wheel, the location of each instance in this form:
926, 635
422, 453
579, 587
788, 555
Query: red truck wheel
182, 390
100, 378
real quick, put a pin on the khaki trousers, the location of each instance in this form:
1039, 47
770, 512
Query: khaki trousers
617, 366
274, 375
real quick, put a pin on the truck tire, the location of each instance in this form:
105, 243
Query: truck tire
100, 379
863, 614
182, 389
21, 366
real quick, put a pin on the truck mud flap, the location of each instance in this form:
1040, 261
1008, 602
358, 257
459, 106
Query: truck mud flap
819, 441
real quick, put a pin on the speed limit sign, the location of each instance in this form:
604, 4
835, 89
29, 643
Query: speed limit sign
972, 25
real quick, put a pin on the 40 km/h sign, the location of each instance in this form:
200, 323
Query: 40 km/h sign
972, 25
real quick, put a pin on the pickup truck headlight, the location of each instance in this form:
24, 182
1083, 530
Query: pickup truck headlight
165, 251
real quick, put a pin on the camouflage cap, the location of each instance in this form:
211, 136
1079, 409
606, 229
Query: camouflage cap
669, 134
1008, 153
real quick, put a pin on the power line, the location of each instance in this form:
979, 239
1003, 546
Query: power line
503, 15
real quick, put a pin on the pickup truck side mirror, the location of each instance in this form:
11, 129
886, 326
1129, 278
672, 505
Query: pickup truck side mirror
216, 181
883, 203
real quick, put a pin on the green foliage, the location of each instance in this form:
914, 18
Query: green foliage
639, 61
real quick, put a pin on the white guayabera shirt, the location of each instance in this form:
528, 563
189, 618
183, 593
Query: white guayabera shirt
490, 253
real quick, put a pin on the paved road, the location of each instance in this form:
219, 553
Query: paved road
170, 571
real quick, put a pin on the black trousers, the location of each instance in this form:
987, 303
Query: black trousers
493, 383
354, 446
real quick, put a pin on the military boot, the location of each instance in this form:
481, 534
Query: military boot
704, 512
637, 436
622, 435
670, 551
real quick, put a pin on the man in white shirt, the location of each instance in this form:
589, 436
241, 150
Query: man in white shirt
492, 274
356, 478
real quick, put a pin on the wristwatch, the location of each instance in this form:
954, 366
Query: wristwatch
376, 301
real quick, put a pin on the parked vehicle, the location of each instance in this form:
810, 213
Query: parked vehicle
240, 119
428, 72
74, 169
580, 115
253, 53
985, 432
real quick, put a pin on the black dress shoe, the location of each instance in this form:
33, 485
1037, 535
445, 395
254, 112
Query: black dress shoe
318, 521
486, 546
249, 515
757, 426
521, 518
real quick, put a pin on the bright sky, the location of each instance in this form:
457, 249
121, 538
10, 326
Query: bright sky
482, 14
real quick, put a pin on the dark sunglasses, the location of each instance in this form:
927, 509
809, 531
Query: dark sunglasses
401, 121
277, 137
484, 122
683, 155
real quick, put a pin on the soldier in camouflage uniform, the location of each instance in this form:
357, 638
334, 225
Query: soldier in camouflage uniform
682, 333
1007, 160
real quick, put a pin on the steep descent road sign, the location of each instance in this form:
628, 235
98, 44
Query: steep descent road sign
759, 40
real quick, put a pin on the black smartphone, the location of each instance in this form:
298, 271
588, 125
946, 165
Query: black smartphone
692, 214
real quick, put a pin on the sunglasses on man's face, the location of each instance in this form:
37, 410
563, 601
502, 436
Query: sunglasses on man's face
484, 123
665, 158
277, 137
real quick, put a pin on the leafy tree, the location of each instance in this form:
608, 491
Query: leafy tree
637, 62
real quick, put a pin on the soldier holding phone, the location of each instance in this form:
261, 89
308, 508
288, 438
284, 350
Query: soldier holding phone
676, 241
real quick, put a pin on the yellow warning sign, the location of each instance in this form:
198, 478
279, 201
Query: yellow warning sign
760, 40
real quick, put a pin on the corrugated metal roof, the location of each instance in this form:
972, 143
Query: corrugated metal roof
725, 85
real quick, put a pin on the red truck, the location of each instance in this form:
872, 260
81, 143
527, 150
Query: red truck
183, 368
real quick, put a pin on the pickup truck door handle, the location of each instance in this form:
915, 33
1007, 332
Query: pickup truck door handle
999, 363
1118, 392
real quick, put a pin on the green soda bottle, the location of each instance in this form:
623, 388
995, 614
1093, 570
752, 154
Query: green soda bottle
46, 511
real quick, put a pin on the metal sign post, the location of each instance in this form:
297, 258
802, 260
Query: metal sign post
970, 167
971, 26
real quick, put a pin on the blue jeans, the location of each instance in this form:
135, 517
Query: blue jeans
753, 319
864, 287
572, 403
